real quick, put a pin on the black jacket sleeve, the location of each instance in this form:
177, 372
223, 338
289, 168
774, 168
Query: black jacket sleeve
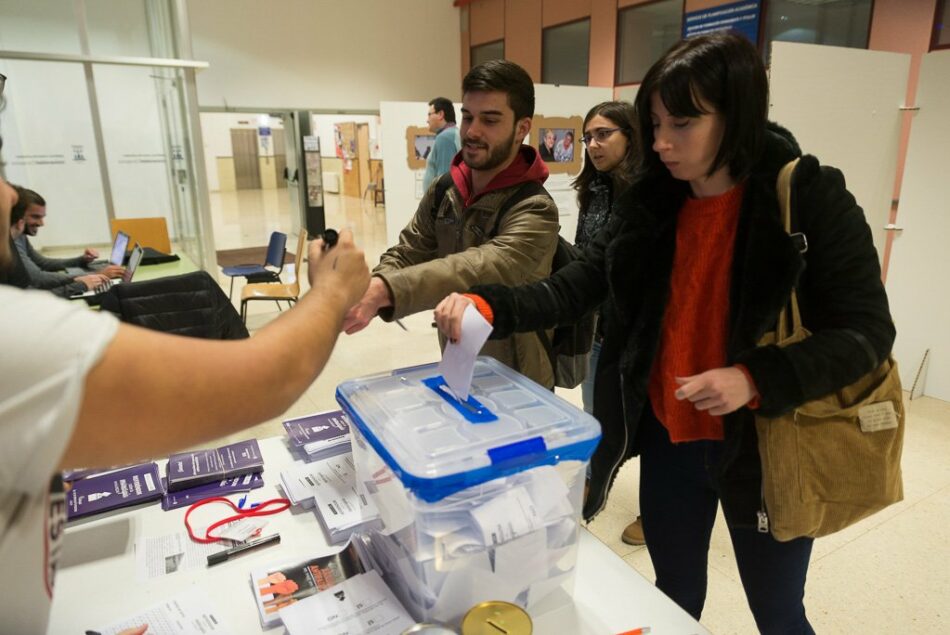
563, 298
841, 296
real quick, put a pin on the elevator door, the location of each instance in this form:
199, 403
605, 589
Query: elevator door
247, 170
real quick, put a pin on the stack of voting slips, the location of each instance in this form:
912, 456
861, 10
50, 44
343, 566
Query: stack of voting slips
98, 493
224, 487
319, 435
328, 487
186, 470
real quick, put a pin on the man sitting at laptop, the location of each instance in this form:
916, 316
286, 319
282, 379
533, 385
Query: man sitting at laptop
49, 273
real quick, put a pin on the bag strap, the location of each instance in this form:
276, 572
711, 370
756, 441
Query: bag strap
783, 189
441, 187
525, 191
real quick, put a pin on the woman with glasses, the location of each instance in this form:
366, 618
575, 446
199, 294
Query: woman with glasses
610, 158
692, 270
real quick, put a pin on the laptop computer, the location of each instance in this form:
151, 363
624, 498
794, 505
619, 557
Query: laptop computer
134, 260
116, 256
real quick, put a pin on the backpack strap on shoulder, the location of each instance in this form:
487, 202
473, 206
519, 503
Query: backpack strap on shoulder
525, 191
441, 188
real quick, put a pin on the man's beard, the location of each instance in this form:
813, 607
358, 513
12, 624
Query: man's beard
496, 156
30, 230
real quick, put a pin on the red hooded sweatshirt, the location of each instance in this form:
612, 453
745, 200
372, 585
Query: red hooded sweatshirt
527, 166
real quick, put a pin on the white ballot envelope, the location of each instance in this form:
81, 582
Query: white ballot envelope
458, 360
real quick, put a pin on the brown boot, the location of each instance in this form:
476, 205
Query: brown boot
633, 534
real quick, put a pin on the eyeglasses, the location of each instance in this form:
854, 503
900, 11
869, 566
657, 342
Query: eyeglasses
3, 82
600, 135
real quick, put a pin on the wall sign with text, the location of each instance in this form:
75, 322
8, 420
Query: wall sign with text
742, 17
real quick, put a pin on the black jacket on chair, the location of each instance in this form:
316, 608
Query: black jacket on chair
191, 304
628, 266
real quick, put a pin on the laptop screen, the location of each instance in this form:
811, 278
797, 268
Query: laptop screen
119, 247
134, 260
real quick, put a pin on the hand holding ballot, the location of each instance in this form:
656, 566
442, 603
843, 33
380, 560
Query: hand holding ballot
458, 358
449, 313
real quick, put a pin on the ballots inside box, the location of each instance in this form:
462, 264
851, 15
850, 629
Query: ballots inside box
478, 497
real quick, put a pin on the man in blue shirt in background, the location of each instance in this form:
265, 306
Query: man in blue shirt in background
447, 141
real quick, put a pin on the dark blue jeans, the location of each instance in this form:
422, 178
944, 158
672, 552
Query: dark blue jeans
678, 500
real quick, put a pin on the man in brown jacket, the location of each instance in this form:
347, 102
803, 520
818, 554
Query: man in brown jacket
464, 242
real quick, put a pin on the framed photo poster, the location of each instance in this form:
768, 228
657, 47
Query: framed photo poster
419, 142
558, 140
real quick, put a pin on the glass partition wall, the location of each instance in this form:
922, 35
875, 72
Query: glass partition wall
101, 118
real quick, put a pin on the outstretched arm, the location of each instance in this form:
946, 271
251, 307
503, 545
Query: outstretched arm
184, 391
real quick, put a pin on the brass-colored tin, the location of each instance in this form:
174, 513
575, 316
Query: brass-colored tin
496, 618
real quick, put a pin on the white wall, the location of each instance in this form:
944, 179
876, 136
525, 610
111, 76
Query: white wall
49, 144
842, 106
627, 93
401, 194
325, 53
920, 260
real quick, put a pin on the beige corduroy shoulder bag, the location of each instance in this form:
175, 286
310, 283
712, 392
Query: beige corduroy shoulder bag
836, 460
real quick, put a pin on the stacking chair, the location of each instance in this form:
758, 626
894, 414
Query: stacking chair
148, 232
261, 273
277, 292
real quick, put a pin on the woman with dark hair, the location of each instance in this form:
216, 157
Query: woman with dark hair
610, 157
693, 269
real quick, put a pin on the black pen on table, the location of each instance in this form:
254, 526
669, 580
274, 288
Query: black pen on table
223, 556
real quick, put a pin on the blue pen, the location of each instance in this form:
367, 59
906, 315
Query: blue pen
241, 501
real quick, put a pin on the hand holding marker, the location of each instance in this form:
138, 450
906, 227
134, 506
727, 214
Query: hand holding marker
330, 236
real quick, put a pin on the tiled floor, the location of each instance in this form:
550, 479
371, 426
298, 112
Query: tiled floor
888, 574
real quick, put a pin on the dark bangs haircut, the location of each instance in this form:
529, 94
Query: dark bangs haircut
723, 70
621, 115
506, 77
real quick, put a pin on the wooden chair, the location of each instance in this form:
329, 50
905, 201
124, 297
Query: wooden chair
277, 292
148, 232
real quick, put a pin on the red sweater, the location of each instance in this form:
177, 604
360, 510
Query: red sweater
695, 324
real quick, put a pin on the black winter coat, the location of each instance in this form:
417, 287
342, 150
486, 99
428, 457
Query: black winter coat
191, 304
628, 267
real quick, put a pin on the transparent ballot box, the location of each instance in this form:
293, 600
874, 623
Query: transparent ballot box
480, 499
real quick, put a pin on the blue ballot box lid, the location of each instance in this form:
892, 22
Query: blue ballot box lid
437, 445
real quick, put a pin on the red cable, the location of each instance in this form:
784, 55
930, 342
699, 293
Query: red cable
261, 510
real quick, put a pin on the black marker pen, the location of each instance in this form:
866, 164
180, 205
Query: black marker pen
330, 236
223, 556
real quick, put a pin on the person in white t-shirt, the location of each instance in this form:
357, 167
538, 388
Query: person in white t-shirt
60, 361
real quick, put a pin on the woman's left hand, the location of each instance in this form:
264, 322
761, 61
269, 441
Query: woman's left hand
720, 391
